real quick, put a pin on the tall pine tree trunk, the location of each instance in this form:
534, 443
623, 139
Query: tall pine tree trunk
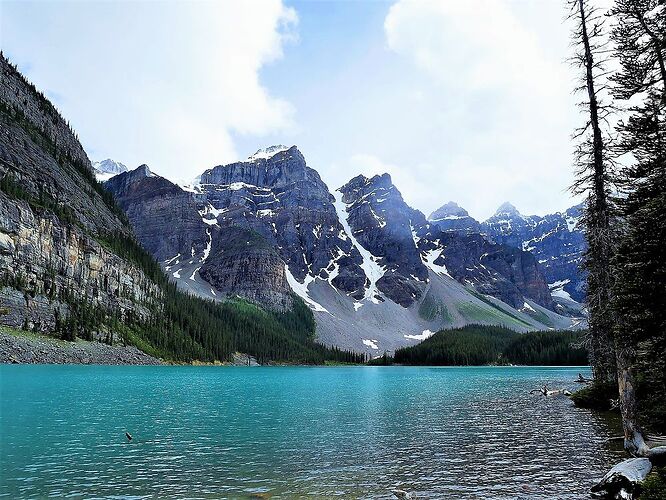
598, 232
633, 437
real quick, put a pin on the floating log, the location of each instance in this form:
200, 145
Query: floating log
550, 392
623, 480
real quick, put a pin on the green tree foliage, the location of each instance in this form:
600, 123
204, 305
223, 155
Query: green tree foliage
482, 345
547, 348
640, 263
594, 178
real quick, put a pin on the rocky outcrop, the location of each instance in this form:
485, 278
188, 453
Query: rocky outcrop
55, 221
164, 217
243, 263
384, 224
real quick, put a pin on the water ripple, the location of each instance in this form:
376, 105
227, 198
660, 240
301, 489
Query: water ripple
207, 432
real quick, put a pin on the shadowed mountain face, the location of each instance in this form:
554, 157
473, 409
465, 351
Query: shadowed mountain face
361, 258
164, 217
555, 240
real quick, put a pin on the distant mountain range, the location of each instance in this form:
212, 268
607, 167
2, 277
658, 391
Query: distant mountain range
375, 272
106, 169
556, 240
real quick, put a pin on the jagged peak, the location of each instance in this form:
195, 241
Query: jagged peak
448, 209
109, 166
269, 152
361, 181
507, 208
143, 170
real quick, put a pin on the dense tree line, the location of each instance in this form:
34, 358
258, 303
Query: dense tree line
482, 345
626, 262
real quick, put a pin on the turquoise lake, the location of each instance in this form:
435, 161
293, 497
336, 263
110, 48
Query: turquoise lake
317, 432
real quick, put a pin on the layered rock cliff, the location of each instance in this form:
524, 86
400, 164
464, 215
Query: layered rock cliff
55, 220
164, 216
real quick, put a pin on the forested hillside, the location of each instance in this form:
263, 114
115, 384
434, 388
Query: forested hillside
483, 345
70, 265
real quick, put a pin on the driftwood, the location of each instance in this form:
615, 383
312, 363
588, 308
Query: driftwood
583, 380
623, 480
402, 494
550, 392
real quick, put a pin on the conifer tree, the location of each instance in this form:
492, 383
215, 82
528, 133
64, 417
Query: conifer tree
593, 179
639, 292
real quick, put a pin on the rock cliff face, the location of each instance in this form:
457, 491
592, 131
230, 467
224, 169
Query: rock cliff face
54, 219
402, 240
556, 240
384, 224
276, 194
365, 262
164, 216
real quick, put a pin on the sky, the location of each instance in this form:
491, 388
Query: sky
465, 101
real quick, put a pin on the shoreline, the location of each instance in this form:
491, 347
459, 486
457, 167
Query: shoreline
24, 347
20, 347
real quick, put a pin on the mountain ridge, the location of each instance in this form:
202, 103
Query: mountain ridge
356, 255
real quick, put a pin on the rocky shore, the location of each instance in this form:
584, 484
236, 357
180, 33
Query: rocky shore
26, 348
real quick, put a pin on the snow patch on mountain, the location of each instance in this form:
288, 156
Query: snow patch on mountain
266, 153
301, 289
429, 260
422, 336
372, 344
371, 268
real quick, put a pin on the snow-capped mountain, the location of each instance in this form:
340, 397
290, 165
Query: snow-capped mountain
375, 273
452, 217
106, 169
556, 240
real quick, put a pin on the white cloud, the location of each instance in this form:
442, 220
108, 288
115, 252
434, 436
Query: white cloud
165, 83
476, 43
499, 90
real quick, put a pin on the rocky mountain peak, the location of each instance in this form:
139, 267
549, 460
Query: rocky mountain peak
109, 166
507, 208
269, 152
268, 170
106, 169
450, 209
451, 217
143, 171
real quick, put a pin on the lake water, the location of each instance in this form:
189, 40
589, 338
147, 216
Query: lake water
218, 432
